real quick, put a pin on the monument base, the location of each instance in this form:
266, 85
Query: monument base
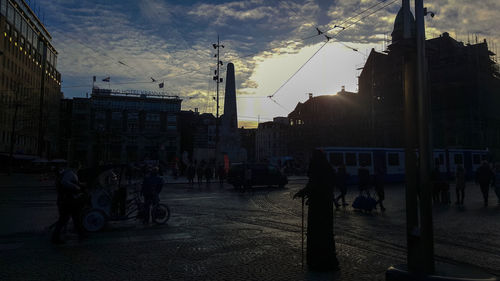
444, 272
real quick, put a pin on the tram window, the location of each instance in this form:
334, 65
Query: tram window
458, 159
476, 159
350, 159
365, 158
393, 159
336, 159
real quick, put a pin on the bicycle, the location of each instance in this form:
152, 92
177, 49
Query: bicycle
96, 217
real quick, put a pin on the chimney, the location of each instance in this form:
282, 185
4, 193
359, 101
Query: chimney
310, 95
196, 110
343, 89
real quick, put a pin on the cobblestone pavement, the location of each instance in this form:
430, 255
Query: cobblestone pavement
222, 234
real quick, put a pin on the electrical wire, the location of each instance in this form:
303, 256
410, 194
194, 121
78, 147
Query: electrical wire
293, 75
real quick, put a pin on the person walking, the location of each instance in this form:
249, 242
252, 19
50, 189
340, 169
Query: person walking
436, 184
484, 177
199, 172
221, 174
209, 173
460, 184
496, 182
191, 171
364, 179
378, 182
321, 252
151, 188
340, 182
247, 177
70, 201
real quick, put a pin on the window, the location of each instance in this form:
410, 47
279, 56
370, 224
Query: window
171, 119
3, 7
17, 21
476, 159
350, 159
10, 14
116, 115
393, 159
337, 158
365, 159
100, 115
133, 116
458, 159
155, 117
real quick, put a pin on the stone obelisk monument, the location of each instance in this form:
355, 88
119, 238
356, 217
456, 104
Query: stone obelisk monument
229, 143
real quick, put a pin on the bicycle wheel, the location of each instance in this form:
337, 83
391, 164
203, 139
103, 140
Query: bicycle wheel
160, 213
93, 220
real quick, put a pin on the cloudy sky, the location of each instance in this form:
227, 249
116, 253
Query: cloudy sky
267, 40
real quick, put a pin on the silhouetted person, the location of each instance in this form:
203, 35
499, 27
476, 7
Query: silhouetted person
340, 183
151, 188
321, 254
436, 184
200, 170
484, 177
209, 172
221, 174
364, 178
378, 182
69, 202
460, 184
247, 183
191, 171
496, 181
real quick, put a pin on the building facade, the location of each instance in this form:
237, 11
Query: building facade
271, 139
329, 120
30, 85
463, 84
124, 126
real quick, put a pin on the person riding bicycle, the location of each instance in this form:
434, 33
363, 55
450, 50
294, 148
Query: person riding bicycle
151, 188
70, 201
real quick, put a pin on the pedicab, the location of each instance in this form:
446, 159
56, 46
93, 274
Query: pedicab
112, 198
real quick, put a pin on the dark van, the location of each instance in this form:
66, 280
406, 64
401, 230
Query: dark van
260, 174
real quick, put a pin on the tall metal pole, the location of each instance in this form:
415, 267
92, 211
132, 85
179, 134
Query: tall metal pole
13, 131
412, 223
41, 122
217, 110
425, 151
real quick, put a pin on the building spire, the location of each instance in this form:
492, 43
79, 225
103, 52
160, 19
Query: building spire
404, 25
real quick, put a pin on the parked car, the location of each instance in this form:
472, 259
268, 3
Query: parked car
261, 175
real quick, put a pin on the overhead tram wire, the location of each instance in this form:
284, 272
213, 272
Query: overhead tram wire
328, 40
340, 25
293, 75
362, 12
344, 28
364, 17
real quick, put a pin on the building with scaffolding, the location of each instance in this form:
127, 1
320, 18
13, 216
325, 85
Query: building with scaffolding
113, 126
30, 85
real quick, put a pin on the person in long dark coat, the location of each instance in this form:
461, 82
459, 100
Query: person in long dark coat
321, 253
484, 177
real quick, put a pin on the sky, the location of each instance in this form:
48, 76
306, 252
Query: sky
272, 44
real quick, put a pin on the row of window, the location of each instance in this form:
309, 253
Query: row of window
34, 63
132, 116
136, 105
350, 159
26, 30
19, 139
